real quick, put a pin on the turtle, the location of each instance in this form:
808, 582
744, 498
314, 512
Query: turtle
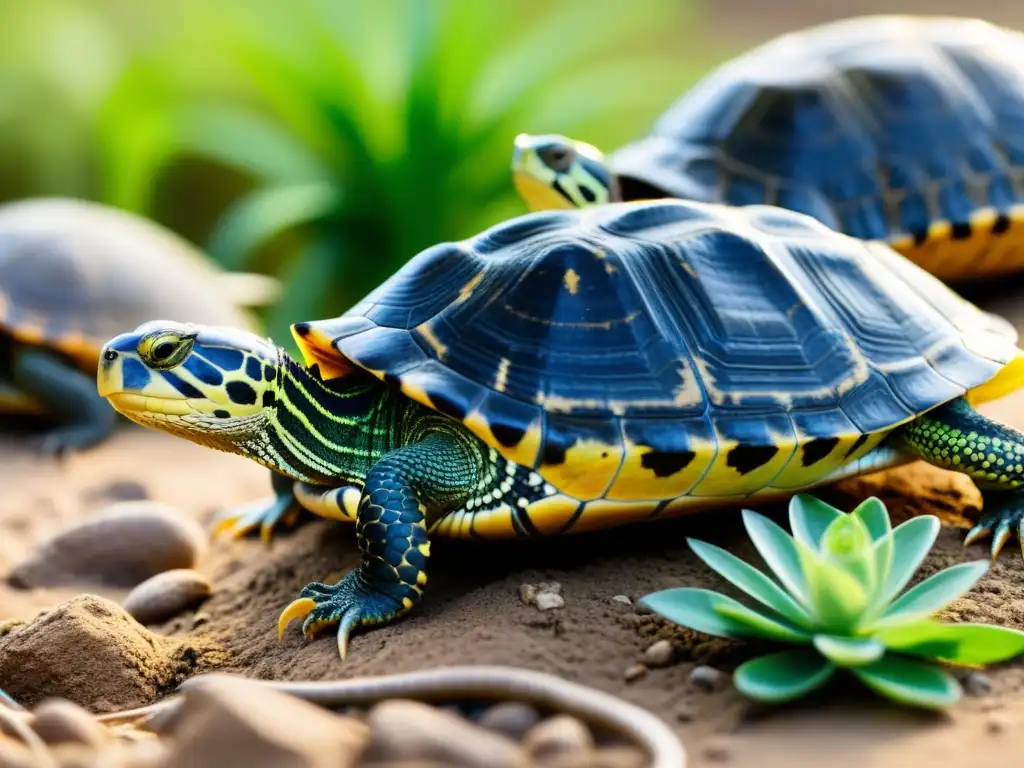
73, 273
905, 129
567, 371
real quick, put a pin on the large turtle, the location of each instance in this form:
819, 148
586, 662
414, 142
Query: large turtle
570, 370
904, 129
75, 273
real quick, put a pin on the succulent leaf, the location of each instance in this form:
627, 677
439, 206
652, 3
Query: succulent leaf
849, 651
838, 598
847, 544
752, 581
935, 592
779, 551
911, 542
968, 644
875, 516
910, 682
702, 610
784, 676
809, 517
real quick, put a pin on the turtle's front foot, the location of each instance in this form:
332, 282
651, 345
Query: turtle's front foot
266, 515
1006, 517
356, 599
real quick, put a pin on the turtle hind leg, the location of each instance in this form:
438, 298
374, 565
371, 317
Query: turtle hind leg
404, 492
955, 436
84, 418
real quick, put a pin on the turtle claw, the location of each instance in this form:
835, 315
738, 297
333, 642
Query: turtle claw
1001, 524
349, 603
262, 514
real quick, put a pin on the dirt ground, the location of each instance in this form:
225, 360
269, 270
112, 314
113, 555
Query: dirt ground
472, 612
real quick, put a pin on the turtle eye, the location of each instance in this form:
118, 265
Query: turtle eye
165, 351
558, 159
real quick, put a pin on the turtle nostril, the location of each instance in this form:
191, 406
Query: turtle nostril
110, 355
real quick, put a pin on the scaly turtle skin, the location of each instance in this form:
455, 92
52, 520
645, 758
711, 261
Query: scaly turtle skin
908, 130
73, 274
574, 370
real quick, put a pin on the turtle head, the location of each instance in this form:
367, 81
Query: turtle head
214, 386
553, 171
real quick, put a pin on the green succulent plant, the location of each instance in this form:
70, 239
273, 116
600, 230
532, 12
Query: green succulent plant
839, 579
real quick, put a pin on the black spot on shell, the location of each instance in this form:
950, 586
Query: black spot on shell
301, 329
222, 414
253, 369
818, 449
268, 399
554, 453
856, 445
960, 231
746, 458
1001, 224
666, 463
920, 237
447, 406
392, 381
240, 392
508, 435
269, 372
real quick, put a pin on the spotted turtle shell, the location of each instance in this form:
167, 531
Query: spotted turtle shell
668, 350
896, 128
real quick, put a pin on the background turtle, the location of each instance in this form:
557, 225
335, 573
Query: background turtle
73, 274
896, 128
572, 370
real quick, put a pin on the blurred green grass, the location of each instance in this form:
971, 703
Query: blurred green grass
323, 142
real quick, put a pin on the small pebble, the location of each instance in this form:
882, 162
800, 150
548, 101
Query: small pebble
557, 736
997, 723
167, 594
200, 618
635, 672
59, 721
641, 609
716, 751
659, 654
118, 490
511, 718
706, 678
685, 713
528, 593
121, 546
977, 684
426, 733
622, 599
547, 601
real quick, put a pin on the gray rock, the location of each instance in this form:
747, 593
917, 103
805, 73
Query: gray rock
635, 672
556, 738
977, 683
59, 721
228, 720
122, 546
167, 594
510, 718
706, 678
409, 730
659, 654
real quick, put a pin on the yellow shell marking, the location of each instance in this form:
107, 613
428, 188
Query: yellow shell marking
318, 349
635, 481
1009, 379
795, 475
524, 453
589, 468
602, 514
725, 480
551, 514
983, 253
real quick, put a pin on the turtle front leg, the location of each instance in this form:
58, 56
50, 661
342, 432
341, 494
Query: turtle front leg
290, 498
405, 491
955, 436
67, 394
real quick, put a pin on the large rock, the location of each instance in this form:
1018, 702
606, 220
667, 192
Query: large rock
90, 651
